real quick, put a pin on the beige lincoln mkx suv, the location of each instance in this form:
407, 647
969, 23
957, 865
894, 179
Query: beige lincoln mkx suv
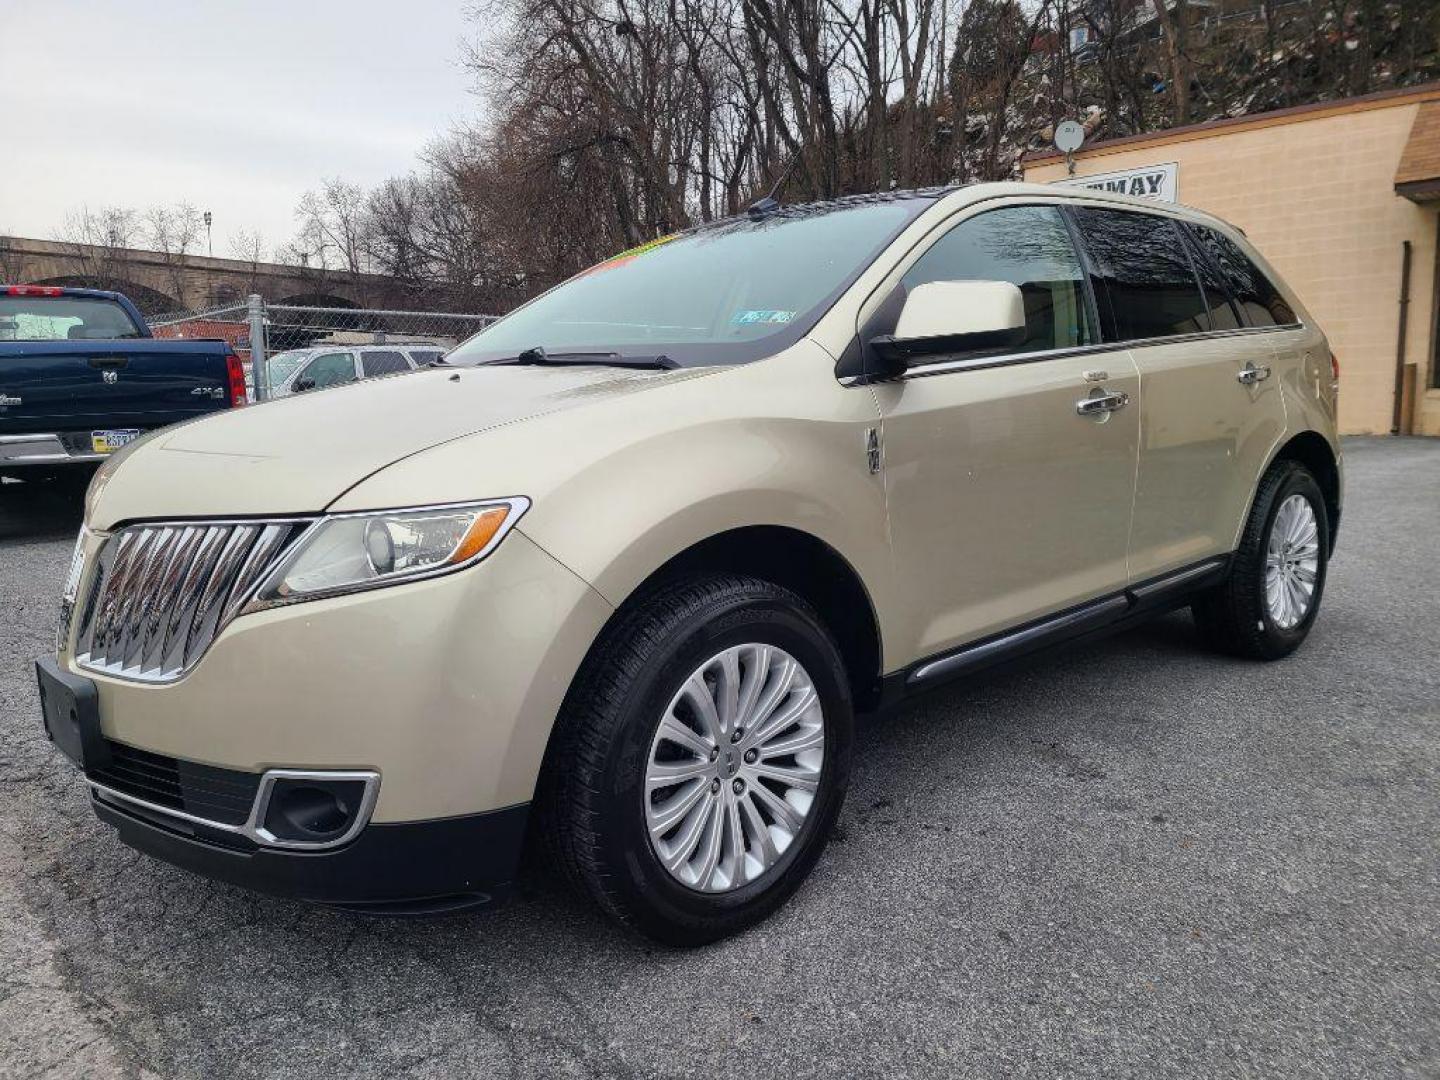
618, 573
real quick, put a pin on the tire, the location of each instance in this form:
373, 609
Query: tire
1237, 616
595, 808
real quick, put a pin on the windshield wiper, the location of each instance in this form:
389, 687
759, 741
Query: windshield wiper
538, 357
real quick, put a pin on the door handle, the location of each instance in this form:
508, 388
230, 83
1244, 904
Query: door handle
1253, 373
1102, 403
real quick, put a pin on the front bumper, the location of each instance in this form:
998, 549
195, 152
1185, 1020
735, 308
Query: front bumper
398, 868
231, 826
446, 688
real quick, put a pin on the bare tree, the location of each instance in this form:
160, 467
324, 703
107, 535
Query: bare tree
96, 242
173, 231
611, 122
248, 246
332, 226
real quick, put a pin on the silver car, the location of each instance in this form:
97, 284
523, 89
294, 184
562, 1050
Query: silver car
323, 366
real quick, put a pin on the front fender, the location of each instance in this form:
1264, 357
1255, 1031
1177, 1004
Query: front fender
623, 485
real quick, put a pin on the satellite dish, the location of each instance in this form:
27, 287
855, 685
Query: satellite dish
1068, 136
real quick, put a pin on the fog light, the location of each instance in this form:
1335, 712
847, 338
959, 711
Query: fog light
312, 809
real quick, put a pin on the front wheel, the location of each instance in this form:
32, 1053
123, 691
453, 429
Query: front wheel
701, 758
1269, 601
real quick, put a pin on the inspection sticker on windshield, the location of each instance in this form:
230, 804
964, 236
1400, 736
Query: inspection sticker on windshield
747, 318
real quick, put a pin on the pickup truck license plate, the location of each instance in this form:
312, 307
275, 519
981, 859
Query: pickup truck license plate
107, 442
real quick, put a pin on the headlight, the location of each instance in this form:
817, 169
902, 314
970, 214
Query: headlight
346, 553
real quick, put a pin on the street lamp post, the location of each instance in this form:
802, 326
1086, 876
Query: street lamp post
209, 242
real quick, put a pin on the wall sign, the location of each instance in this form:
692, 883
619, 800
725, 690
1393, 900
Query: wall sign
1152, 182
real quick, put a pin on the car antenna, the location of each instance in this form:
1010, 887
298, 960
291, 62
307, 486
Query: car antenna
770, 202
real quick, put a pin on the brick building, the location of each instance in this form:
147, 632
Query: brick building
1343, 198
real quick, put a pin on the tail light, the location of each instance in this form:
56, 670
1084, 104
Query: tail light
34, 290
235, 376
1334, 372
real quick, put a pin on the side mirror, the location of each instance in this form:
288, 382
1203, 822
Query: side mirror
304, 384
952, 316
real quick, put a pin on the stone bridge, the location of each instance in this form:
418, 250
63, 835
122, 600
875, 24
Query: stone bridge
159, 282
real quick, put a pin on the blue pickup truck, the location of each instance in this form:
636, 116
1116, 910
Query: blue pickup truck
80, 376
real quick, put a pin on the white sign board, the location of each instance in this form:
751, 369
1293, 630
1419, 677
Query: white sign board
1153, 182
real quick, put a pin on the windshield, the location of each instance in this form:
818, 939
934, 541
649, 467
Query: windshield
63, 318
725, 293
283, 365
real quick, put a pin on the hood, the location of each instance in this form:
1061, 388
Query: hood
299, 454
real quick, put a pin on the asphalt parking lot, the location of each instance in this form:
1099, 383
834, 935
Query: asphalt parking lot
1134, 859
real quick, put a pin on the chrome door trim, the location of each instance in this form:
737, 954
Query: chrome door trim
977, 363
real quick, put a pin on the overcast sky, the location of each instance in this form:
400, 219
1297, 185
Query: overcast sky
236, 107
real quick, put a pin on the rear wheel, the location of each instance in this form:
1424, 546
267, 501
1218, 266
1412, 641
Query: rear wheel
1269, 601
701, 759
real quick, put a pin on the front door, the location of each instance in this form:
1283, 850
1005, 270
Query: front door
1008, 499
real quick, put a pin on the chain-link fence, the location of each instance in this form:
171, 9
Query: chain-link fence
277, 342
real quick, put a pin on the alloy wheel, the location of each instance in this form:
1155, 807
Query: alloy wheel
1292, 562
734, 768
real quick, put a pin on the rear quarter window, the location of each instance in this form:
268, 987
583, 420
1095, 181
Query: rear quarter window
1255, 294
382, 362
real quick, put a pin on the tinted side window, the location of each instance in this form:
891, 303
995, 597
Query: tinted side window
1142, 275
1219, 306
330, 369
1257, 296
376, 362
1027, 246
422, 357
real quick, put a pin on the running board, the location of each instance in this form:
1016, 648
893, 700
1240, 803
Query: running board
1147, 598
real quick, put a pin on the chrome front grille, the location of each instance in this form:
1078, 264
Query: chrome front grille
160, 594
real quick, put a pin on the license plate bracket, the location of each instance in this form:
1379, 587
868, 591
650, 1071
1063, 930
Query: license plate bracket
70, 711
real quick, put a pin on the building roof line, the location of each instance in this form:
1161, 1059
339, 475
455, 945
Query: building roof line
1382, 99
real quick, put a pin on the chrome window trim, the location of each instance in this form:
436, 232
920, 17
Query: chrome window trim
976, 363
972, 209
253, 828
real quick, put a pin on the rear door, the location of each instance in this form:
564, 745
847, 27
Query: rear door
1006, 501
1209, 416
